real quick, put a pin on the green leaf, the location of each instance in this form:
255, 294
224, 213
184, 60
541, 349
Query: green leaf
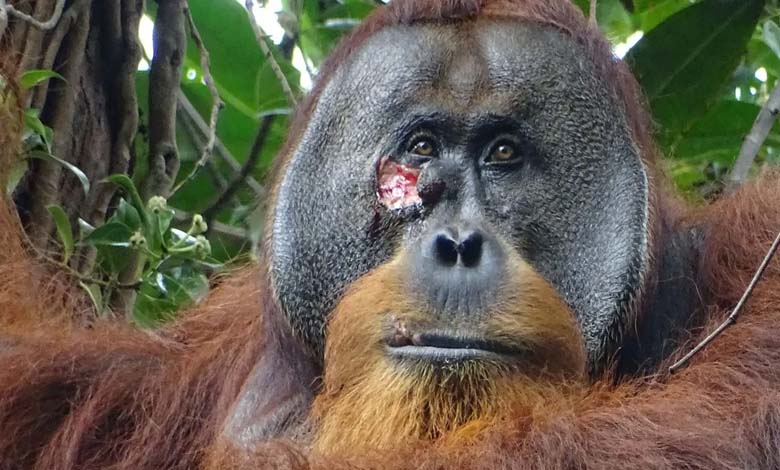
34, 77
127, 215
64, 230
164, 219
688, 177
583, 5
683, 62
614, 20
651, 14
15, 175
718, 136
162, 294
159, 223
34, 124
67, 165
114, 259
237, 132
770, 34
321, 30
241, 73
110, 234
85, 228
95, 295
127, 184
763, 56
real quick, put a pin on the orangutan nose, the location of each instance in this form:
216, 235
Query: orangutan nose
451, 248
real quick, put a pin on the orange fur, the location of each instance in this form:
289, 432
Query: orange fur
370, 402
112, 397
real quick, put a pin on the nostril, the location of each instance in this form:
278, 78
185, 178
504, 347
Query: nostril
470, 249
445, 249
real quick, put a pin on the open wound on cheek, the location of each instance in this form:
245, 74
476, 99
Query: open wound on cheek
397, 184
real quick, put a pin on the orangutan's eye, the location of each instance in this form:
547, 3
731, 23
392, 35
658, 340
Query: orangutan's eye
423, 146
503, 152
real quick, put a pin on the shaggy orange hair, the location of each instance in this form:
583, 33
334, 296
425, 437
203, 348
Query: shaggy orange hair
109, 396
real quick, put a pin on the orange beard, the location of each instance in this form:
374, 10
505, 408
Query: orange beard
371, 401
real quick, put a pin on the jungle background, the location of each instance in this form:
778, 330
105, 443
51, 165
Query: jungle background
149, 126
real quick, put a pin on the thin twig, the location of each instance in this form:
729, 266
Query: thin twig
754, 140
37, 98
217, 178
216, 104
286, 47
732, 318
592, 15
42, 255
3, 19
261, 36
9, 10
235, 184
237, 234
192, 118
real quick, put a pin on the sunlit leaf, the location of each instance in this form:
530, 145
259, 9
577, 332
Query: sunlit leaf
85, 228
683, 62
34, 77
83, 180
241, 73
770, 33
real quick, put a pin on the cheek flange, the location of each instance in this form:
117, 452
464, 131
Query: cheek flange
397, 184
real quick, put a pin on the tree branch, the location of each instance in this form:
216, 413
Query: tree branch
170, 43
32, 37
261, 36
192, 119
120, 32
235, 184
754, 140
64, 26
732, 318
7, 10
261, 137
216, 104
127, 49
593, 10
58, 114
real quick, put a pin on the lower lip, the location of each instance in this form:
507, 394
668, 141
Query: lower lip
445, 355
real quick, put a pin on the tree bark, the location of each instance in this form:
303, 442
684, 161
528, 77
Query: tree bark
93, 113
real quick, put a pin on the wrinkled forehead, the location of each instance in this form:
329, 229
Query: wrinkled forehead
466, 65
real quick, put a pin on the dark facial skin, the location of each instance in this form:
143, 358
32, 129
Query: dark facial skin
515, 139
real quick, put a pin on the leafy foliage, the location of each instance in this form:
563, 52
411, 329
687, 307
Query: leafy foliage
173, 262
706, 67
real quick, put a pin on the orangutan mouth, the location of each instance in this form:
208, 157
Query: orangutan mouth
441, 347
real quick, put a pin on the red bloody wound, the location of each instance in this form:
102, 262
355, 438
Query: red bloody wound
397, 184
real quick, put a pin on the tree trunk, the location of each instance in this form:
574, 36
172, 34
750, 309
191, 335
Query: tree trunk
93, 113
